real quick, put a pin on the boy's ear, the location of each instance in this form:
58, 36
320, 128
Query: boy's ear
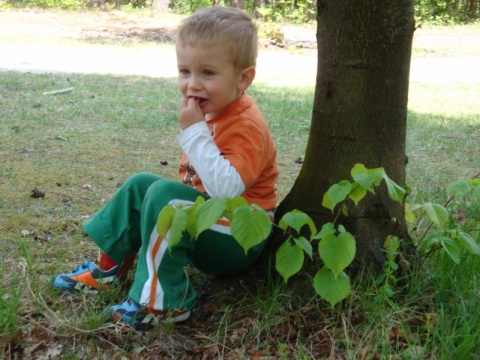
246, 78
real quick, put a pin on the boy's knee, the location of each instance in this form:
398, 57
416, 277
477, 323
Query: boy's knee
170, 190
140, 181
141, 178
165, 187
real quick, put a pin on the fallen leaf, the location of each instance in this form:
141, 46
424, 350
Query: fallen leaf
364, 353
287, 330
413, 353
299, 160
29, 350
395, 332
52, 353
26, 233
36, 193
43, 238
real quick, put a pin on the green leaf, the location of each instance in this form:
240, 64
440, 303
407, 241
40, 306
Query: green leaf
468, 243
395, 191
331, 288
179, 224
416, 207
367, 178
327, 202
452, 248
391, 245
296, 219
165, 218
336, 194
429, 242
200, 200
474, 182
209, 212
358, 193
250, 227
436, 213
191, 226
236, 202
409, 215
327, 228
337, 252
459, 188
476, 192
289, 260
305, 245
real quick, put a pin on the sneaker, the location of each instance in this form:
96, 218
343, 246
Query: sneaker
142, 318
86, 278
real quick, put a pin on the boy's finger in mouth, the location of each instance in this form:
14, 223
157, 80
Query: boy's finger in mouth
198, 100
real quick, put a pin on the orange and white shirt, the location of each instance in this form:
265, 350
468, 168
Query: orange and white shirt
232, 154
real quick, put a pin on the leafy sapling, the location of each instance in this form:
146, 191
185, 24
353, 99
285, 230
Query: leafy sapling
442, 233
250, 225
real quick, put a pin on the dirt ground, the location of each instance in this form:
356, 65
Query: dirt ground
117, 26
48, 41
45, 41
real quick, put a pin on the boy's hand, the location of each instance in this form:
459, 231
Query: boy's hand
190, 113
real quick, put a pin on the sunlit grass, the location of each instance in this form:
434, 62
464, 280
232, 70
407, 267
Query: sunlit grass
452, 41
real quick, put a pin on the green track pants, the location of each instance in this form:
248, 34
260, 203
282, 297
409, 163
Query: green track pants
127, 225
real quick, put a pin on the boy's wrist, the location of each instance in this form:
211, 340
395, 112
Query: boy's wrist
192, 131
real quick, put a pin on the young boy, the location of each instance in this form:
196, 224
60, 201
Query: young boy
228, 151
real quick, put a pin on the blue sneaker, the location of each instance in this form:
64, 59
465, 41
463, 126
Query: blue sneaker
86, 278
141, 318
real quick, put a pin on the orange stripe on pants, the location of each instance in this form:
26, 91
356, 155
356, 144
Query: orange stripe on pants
153, 291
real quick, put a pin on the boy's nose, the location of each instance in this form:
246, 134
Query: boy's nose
194, 82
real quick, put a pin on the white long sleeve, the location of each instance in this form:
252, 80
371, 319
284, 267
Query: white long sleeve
219, 177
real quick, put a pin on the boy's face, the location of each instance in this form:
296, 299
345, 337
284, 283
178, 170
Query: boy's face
207, 74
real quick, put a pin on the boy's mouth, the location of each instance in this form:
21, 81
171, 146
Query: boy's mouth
200, 100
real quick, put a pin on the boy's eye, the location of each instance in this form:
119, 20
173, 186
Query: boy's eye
208, 73
183, 72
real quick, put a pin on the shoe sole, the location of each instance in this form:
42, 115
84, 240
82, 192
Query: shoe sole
141, 326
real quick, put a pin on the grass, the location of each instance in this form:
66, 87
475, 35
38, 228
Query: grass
454, 40
78, 147
443, 134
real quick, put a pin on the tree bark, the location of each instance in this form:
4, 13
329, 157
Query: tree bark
161, 5
257, 4
312, 6
359, 116
236, 3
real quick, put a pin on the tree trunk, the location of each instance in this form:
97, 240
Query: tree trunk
312, 6
236, 4
359, 116
472, 9
161, 5
257, 4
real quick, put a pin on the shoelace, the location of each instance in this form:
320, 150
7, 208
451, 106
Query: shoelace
81, 267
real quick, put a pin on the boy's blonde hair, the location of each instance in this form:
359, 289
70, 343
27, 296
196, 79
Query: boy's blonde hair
222, 26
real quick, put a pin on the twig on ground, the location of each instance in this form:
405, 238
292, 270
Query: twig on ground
58, 92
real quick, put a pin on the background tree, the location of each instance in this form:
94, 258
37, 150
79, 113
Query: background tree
359, 115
